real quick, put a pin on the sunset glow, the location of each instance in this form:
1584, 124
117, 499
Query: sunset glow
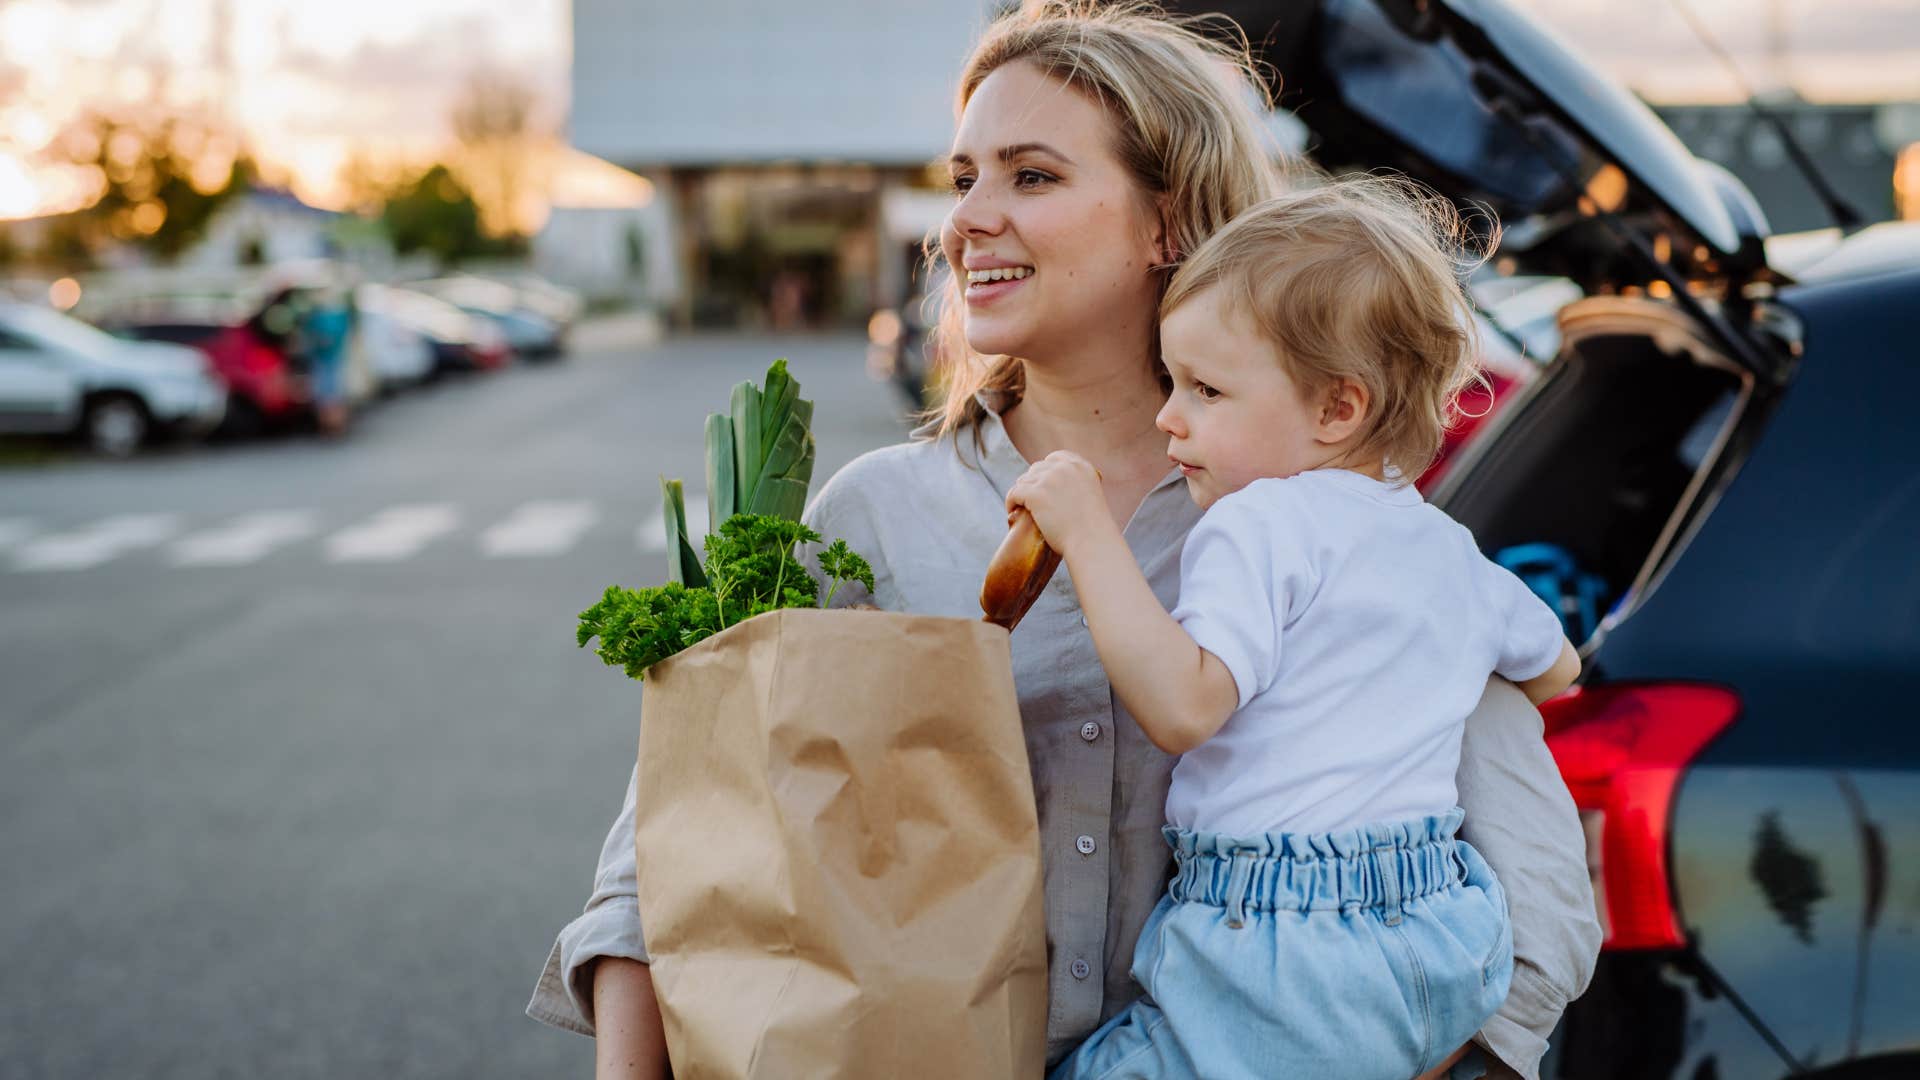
310, 87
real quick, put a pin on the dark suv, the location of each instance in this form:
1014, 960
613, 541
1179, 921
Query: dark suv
1717, 478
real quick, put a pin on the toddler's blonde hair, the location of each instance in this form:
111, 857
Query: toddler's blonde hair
1360, 279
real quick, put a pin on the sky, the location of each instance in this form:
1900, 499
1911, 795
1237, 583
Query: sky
310, 82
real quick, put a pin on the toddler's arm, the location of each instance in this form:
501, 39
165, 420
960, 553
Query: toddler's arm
1180, 693
1555, 679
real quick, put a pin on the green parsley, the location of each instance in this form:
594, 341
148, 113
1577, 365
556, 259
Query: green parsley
749, 570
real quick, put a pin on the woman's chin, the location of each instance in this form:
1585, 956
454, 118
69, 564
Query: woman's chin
996, 337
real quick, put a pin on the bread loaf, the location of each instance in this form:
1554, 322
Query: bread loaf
1018, 572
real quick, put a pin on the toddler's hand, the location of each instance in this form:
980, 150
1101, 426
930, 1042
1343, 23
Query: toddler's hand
1062, 491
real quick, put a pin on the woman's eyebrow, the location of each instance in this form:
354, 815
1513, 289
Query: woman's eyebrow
1008, 153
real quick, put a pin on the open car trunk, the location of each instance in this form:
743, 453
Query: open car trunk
1607, 458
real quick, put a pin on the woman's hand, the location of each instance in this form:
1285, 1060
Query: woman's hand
1062, 491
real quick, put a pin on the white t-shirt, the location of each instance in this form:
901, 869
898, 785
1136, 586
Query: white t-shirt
1360, 625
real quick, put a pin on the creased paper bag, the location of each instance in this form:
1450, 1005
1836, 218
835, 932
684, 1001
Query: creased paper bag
839, 858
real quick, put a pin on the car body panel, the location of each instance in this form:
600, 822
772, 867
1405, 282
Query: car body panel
1795, 839
1648, 1015
1889, 804
1769, 877
174, 383
38, 394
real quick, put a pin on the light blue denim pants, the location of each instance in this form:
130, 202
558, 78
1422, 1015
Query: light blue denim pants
1366, 954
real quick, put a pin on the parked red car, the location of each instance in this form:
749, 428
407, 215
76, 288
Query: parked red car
266, 387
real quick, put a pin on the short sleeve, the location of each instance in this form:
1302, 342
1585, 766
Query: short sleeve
1235, 586
1531, 635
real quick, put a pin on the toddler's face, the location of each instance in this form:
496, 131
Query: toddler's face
1234, 415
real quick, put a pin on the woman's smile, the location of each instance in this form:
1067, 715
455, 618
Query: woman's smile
986, 286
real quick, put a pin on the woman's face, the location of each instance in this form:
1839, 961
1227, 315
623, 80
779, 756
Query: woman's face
1050, 235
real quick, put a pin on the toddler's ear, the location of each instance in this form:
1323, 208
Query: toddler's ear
1344, 410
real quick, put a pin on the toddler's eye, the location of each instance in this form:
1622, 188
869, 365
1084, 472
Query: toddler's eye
1207, 393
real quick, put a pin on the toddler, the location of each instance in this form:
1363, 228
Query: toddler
1332, 634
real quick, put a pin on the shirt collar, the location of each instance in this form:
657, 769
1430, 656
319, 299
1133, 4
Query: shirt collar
1002, 462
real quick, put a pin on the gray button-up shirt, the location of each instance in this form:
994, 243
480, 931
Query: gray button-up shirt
928, 515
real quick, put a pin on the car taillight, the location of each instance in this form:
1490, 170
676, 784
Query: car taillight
1622, 749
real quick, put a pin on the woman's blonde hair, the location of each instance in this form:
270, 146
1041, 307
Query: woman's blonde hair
1359, 279
1185, 103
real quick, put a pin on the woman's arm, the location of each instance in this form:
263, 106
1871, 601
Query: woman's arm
1520, 817
631, 1043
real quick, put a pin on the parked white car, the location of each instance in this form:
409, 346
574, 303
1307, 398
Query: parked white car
400, 355
58, 374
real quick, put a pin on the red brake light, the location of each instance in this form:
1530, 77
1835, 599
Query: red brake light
1622, 750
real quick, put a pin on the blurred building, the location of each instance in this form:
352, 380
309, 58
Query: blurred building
262, 226
1856, 147
788, 144
605, 232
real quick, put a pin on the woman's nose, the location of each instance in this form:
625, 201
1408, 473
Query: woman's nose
975, 215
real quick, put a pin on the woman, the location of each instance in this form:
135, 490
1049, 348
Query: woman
1095, 145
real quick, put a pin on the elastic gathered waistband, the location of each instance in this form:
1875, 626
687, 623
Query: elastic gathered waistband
1378, 866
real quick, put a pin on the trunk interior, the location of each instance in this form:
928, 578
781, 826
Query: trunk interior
1606, 457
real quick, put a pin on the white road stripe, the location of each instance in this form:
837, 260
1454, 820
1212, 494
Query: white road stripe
393, 534
652, 534
102, 541
539, 528
14, 530
246, 539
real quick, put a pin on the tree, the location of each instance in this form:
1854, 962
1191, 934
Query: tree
161, 177
437, 214
502, 139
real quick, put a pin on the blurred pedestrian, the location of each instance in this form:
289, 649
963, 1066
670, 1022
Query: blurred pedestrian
326, 328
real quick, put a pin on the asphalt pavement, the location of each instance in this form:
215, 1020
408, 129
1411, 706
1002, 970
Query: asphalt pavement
302, 767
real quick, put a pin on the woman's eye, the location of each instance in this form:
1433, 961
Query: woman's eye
1030, 178
961, 184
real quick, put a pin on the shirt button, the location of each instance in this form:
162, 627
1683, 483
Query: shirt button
1080, 969
1089, 731
1085, 845
1083, 620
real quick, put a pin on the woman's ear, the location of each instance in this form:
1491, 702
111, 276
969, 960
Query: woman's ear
1343, 411
1163, 244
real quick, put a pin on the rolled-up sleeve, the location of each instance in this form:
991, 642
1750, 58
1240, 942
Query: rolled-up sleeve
1521, 818
610, 926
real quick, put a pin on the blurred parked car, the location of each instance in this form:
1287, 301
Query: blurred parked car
58, 374
459, 341
561, 305
1714, 480
266, 386
529, 333
399, 354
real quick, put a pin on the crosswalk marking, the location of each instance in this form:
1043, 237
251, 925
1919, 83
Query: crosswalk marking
245, 539
539, 528
652, 533
102, 541
393, 534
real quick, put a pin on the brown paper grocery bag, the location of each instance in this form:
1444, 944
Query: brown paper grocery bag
839, 852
